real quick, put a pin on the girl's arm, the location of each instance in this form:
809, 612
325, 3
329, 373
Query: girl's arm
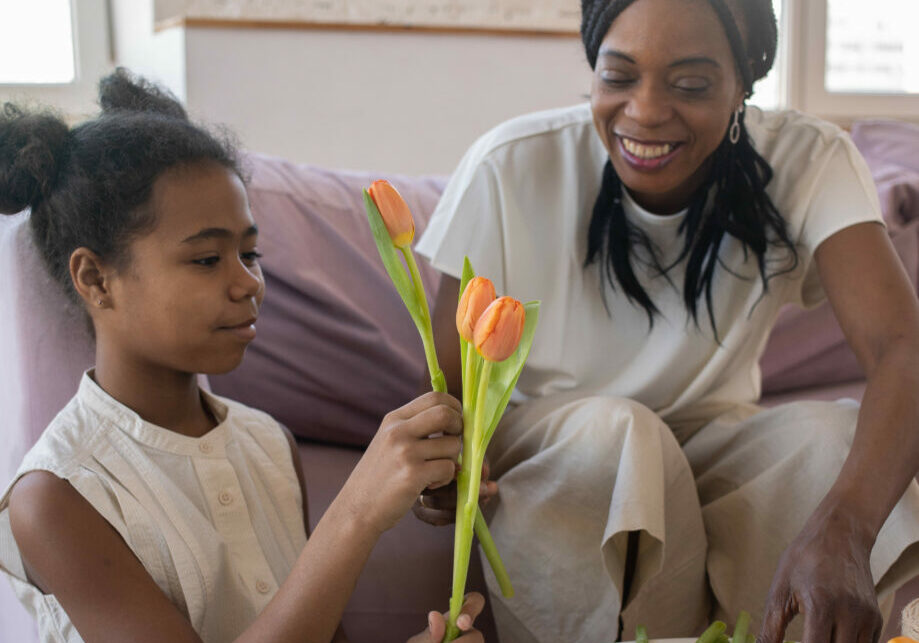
71, 551
825, 571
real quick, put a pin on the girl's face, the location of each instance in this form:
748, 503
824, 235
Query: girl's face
189, 298
663, 93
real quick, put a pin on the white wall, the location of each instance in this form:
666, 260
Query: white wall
159, 56
400, 102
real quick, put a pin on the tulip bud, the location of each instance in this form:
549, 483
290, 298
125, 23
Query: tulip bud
479, 293
499, 329
394, 210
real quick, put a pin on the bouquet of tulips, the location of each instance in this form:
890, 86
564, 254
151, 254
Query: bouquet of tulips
495, 339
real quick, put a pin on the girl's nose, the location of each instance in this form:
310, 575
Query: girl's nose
247, 281
649, 106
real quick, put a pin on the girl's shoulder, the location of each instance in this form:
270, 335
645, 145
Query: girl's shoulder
789, 136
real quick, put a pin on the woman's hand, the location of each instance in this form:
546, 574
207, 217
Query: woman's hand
437, 506
437, 623
404, 458
825, 575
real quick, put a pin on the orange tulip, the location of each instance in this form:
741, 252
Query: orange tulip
479, 293
902, 639
394, 210
499, 329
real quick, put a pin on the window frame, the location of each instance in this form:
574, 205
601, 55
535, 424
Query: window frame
805, 74
92, 60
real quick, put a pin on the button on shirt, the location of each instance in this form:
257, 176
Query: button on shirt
217, 521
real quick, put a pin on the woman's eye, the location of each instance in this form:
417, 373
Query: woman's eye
206, 261
615, 79
251, 257
692, 86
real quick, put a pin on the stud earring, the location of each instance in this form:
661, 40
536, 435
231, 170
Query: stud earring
734, 132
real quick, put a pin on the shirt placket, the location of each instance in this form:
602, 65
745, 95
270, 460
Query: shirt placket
233, 522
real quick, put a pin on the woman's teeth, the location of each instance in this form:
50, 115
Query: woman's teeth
643, 151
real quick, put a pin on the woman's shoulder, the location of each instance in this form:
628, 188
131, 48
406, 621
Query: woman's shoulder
782, 135
559, 126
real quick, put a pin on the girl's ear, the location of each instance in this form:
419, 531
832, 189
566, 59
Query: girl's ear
90, 279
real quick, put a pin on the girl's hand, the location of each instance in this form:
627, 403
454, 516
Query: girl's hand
824, 575
438, 506
437, 623
403, 459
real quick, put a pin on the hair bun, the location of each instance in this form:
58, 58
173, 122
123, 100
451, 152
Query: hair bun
33, 149
125, 92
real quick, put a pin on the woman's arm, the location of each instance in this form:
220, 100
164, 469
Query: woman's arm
70, 551
825, 572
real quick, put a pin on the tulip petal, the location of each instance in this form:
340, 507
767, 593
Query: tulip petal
391, 260
504, 375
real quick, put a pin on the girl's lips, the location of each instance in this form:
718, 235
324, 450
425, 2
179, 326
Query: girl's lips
644, 163
245, 331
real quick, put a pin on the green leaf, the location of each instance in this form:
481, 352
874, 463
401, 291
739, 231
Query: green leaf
504, 375
391, 261
468, 275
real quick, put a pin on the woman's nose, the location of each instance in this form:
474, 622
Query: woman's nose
649, 105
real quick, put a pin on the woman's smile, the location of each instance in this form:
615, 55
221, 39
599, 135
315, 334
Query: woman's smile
647, 156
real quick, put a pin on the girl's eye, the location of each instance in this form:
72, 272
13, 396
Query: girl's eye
252, 256
206, 261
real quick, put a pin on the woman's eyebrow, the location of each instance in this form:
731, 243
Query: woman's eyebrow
695, 60
615, 53
219, 233
688, 60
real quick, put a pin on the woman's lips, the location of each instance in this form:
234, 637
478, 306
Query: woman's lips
647, 156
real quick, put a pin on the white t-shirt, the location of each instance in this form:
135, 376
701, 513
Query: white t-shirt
217, 521
519, 206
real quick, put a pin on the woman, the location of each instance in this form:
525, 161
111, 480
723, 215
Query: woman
663, 227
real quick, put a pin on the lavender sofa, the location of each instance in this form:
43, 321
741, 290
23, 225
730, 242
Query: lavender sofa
335, 351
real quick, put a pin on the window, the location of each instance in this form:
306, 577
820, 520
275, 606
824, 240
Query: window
872, 47
36, 42
852, 59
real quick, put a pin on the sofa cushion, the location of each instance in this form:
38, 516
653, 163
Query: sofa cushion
335, 348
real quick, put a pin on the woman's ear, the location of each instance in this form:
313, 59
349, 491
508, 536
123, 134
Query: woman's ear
90, 279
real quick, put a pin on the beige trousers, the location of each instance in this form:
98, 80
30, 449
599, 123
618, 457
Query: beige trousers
714, 514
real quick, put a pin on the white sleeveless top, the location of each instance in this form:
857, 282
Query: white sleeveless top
217, 521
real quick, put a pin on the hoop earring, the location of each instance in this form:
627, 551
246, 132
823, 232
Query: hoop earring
734, 132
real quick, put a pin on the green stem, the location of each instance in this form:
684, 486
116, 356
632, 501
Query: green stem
741, 627
714, 631
491, 554
467, 501
438, 381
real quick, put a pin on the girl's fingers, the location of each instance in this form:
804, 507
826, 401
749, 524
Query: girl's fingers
440, 418
472, 607
437, 626
423, 402
446, 447
437, 473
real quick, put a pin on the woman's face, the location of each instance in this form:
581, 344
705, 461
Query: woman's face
189, 299
663, 93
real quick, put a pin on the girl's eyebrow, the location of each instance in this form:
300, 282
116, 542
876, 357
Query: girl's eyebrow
219, 233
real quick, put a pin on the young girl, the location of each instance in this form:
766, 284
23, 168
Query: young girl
150, 510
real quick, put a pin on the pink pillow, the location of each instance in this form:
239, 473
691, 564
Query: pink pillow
336, 349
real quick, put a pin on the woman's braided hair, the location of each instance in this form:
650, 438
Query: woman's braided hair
735, 187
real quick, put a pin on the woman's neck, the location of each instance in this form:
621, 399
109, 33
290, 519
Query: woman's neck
163, 397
